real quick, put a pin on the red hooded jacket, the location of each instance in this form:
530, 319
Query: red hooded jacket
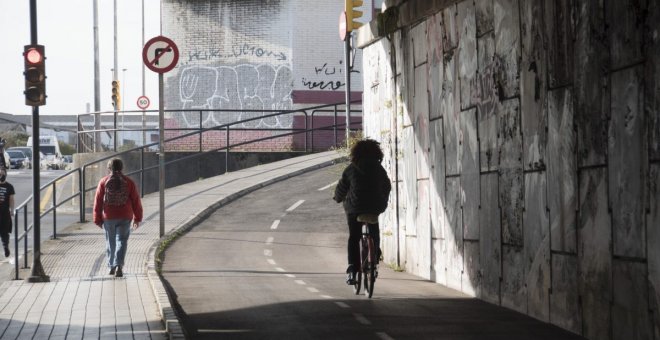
131, 210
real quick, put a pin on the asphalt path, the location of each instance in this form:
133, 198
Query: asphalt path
271, 266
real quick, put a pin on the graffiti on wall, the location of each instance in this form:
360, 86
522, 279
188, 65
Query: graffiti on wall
240, 87
327, 71
236, 51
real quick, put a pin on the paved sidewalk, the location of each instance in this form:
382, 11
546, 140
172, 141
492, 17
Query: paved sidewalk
82, 301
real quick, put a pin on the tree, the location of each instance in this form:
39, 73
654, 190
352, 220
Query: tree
15, 138
66, 149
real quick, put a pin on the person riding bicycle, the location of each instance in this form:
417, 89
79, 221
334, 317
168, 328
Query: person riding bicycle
364, 188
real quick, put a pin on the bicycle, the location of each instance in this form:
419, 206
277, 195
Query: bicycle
368, 265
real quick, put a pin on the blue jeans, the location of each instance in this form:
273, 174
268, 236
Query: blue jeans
116, 240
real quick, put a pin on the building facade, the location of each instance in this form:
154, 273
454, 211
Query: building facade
255, 57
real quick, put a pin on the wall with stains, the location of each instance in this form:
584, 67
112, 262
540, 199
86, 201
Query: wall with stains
523, 139
254, 55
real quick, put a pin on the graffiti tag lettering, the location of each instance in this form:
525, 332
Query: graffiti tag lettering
322, 85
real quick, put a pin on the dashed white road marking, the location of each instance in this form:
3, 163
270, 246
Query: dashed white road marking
271, 261
295, 205
361, 319
328, 186
290, 275
269, 240
268, 252
326, 296
300, 282
279, 269
342, 304
275, 224
312, 289
384, 336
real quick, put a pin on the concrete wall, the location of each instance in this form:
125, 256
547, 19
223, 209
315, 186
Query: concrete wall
523, 137
255, 55
177, 173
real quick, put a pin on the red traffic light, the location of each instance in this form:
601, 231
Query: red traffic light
35, 75
33, 56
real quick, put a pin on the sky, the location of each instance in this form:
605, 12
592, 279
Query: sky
66, 30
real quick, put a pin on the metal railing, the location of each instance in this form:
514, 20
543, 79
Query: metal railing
81, 172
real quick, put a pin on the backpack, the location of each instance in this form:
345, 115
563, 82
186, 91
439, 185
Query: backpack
116, 190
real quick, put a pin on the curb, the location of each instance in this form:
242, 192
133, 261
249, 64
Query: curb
172, 322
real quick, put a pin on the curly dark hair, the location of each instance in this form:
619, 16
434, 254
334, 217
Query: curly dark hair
366, 149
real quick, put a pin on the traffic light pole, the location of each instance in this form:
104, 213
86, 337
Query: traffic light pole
347, 75
37, 273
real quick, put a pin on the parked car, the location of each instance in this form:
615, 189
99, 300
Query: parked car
18, 160
26, 150
67, 160
7, 160
53, 162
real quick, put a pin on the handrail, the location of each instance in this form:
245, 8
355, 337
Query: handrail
81, 171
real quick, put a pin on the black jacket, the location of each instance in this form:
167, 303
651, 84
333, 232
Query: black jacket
364, 188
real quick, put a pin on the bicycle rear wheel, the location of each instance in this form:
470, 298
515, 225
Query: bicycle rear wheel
369, 269
358, 283
369, 281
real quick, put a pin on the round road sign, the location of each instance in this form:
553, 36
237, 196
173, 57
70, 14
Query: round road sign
143, 102
160, 54
342, 26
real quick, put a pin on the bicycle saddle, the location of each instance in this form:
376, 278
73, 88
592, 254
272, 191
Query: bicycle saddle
368, 218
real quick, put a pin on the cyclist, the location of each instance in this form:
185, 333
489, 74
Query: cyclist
364, 188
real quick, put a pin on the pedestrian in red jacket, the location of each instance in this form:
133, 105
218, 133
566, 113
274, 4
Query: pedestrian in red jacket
117, 202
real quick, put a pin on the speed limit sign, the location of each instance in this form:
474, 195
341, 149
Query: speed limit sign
143, 102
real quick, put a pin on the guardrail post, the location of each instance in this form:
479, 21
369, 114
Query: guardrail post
16, 245
115, 132
25, 238
201, 127
142, 172
227, 152
334, 125
54, 205
306, 129
312, 132
83, 193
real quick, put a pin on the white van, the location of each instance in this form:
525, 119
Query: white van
50, 147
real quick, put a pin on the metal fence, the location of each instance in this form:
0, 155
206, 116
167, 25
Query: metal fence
79, 176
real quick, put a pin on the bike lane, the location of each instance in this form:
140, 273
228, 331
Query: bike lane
271, 265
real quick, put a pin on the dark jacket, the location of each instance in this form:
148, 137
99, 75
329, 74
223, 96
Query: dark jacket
364, 188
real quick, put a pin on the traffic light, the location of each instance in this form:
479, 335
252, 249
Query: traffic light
116, 99
35, 75
352, 14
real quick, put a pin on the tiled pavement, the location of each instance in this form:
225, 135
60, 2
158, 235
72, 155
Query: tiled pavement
82, 302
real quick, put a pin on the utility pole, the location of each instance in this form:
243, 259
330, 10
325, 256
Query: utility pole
144, 115
97, 80
114, 75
